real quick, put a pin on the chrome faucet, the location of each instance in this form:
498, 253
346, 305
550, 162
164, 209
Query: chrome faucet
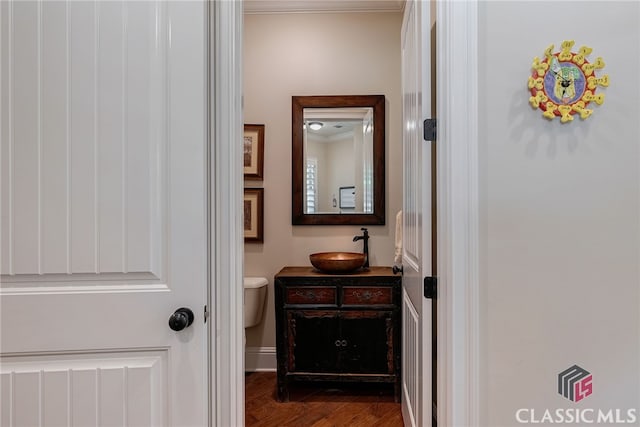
365, 250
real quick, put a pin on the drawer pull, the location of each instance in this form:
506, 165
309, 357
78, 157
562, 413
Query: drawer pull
310, 295
367, 295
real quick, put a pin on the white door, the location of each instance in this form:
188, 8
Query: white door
103, 126
416, 259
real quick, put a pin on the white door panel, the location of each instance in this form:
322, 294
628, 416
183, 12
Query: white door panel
79, 390
416, 232
104, 212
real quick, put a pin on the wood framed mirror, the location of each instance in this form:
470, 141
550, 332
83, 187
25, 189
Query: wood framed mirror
338, 160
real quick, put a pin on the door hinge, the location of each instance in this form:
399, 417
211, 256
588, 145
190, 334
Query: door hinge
430, 287
206, 314
429, 129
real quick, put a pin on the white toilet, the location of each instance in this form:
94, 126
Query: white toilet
255, 292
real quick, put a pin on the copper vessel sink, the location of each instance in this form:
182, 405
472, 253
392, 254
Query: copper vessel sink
337, 262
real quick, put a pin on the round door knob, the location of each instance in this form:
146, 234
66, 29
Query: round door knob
180, 319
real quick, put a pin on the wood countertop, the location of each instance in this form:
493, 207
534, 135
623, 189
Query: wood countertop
309, 271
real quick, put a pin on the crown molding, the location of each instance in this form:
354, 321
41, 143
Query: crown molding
321, 6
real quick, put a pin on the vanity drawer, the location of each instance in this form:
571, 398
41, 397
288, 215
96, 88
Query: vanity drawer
369, 295
310, 295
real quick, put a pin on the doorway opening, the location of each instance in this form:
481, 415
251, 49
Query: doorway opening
303, 63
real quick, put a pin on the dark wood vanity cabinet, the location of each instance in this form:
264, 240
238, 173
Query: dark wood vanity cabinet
333, 327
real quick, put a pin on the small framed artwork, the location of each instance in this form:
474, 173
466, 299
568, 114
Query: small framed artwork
253, 151
253, 215
347, 197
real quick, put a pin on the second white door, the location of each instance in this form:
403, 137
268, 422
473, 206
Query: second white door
417, 224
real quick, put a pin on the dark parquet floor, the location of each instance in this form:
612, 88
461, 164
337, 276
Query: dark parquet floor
312, 406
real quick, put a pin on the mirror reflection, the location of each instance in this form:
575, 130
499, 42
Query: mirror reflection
338, 159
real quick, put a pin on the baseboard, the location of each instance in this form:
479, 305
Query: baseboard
260, 359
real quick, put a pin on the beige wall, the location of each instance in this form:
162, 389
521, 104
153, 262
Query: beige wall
315, 54
560, 215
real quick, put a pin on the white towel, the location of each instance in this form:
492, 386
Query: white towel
397, 260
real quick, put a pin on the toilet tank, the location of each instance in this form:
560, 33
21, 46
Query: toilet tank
255, 293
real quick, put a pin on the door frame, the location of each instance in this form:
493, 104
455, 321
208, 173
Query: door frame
226, 242
458, 224
458, 214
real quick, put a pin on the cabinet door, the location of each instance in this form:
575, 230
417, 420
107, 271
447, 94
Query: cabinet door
367, 342
312, 338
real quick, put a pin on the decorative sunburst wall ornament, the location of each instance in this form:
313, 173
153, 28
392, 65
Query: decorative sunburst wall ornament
564, 83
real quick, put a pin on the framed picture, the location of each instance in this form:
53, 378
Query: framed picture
347, 197
253, 215
253, 151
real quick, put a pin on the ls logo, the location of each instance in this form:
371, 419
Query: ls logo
575, 383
